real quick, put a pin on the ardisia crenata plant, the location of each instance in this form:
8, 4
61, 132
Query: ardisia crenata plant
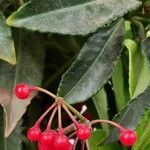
94, 55
81, 129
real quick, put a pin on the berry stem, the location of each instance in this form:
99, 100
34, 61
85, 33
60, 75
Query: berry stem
87, 145
82, 118
69, 128
75, 143
72, 135
43, 90
121, 128
83, 145
51, 119
45, 113
70, 115
60, 130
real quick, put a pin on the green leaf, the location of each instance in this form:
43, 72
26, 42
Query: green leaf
7, 50
146, 48
14, 141
29, 70
97, 136
119, 86
130, 115
128, 30
100, 101
139, 74
76, 17
94, 65
143, 132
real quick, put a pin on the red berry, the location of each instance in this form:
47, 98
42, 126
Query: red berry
34, 133
47, 137
22, 91
44, 147
61, 142
83, 131
128, 137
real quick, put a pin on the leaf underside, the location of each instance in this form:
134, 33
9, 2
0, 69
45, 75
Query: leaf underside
75, 17
14, 139
94, 65
29, 70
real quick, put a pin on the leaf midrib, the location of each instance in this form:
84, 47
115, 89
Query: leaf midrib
95, 59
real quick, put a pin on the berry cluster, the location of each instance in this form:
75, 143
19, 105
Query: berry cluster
51, 139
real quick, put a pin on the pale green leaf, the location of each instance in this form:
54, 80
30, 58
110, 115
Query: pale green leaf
143, 132
76, 17
100, 102
139, 74
7, 50
119, 86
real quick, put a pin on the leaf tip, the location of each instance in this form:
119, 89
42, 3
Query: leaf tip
9, 21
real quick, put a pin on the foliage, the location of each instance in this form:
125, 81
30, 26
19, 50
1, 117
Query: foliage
90, 52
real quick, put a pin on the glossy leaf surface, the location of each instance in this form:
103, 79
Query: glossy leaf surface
94, 65
75, 17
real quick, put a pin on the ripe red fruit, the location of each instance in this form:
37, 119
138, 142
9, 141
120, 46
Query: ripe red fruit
44, 147
34, 133
22, 91
61, 142
47, 137
128, 137
83, 131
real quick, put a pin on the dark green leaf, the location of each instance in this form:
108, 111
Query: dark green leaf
76, 17
7, 50
94, 65
29, 70
130, 115
146, 47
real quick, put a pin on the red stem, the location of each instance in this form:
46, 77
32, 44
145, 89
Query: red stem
75, 143
45, 113
36, 88
83, 145
51, 119
70, 115
60, 129
109, 122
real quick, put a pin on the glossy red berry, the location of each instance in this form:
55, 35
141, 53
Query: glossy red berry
34, 134
22, 91
44, 147
83, 131
128, 137
47, 137
61, 142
